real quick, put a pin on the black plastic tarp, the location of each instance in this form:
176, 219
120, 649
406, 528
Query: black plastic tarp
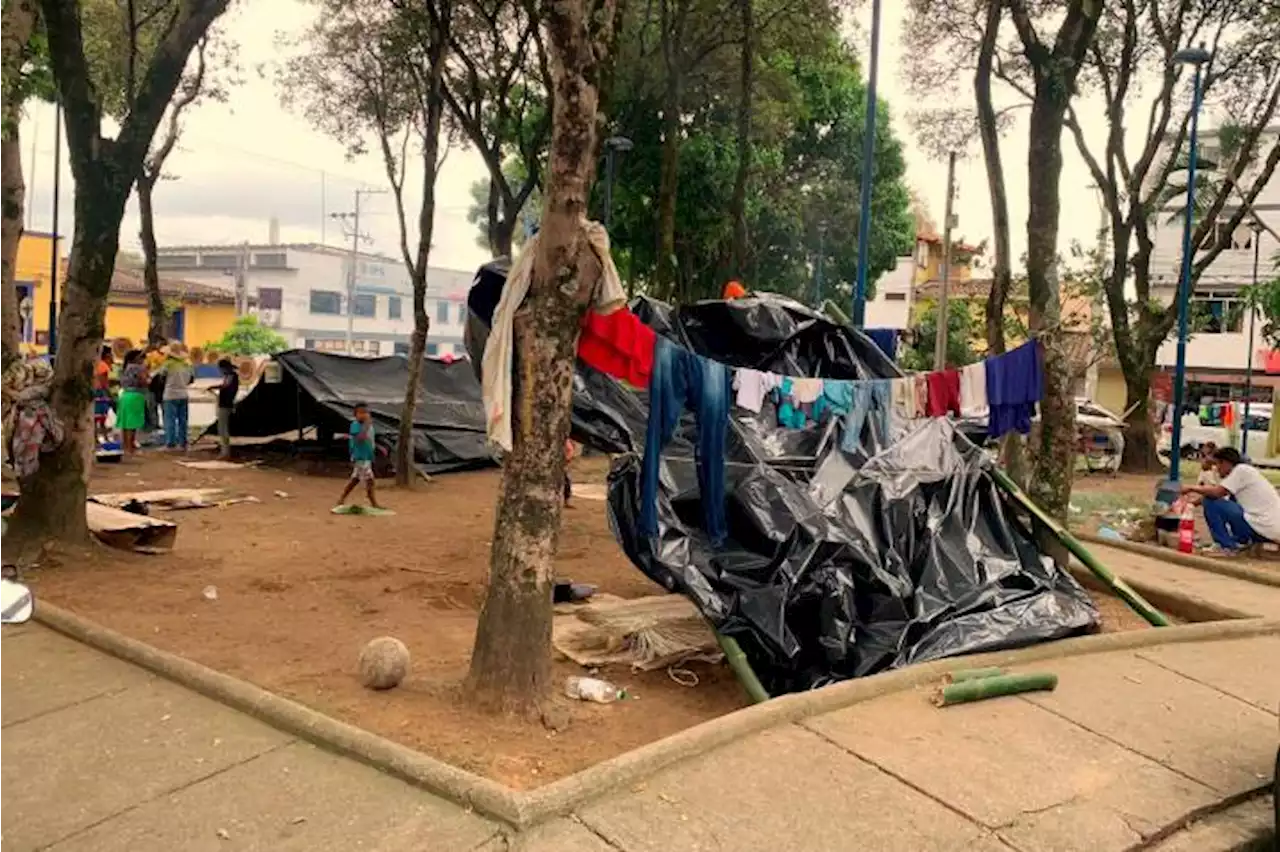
318, 390
838, 564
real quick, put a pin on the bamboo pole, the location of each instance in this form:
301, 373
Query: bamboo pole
976, 689
742, 668
1122, 589
971, 674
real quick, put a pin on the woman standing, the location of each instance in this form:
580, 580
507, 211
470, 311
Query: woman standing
131, 413
177, 375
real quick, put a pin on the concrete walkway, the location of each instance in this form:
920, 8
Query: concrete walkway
1253, 599
100, 755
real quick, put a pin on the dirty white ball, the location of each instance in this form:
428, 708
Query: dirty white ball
383, 663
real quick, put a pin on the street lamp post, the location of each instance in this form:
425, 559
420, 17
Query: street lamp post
868, 155
1196, 56
53, 251
612, 147
1256, 227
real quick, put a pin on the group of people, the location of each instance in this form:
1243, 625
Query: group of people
148, 390
1241, 508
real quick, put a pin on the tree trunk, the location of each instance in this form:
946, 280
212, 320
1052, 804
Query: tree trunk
502, 234
1140, 454
738, 204
1002, 274
511, 662
665, 273
14, 207
19, 22
493, 210
53, 499
156, 312
426, 225
1054, 451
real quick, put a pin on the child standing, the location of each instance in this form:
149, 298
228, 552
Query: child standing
360, 443
227, 391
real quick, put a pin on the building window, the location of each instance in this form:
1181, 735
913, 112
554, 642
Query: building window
1217, 313
462, 313
895, 297
393, 307
220, 261
175, 261
375, 348
374, 270
271, 298
433, 349
326, 302
270, 260
402, 349
366, 305
442, 311
309, 343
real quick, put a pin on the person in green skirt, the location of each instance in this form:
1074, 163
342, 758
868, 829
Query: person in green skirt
131, 410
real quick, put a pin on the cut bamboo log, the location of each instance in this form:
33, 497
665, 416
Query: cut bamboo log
980, 688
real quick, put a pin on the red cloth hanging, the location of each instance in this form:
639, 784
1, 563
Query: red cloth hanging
944, 393
618, 344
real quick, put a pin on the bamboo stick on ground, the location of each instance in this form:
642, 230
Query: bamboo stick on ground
994, 687
971, 674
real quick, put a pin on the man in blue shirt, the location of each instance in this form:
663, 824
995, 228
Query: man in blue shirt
360, 443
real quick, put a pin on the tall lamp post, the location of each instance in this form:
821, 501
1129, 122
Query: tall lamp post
1196, 56
612, 147
868, 155
1256, 227
53, 252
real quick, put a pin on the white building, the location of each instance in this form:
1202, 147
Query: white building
891, 307
300, 289
1218, 352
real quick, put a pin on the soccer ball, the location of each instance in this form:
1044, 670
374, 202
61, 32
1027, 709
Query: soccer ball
383, 663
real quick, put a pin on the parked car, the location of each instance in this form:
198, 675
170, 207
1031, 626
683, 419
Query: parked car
1199, 429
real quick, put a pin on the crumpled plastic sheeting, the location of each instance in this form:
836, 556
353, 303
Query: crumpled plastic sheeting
840, 565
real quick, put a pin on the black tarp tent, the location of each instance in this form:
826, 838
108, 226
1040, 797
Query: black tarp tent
839, 564
318, 390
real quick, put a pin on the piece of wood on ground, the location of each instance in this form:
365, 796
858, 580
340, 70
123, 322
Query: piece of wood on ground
167, 498
215, 464
128, 531
647, 633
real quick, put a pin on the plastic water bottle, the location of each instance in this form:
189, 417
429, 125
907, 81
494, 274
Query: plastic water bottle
1187, 530
592, 689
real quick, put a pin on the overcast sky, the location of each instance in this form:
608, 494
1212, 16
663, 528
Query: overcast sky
245, 161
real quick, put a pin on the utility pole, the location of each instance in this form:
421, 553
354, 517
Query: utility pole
940, 337
242, 282
864, 190
352, 266
818, 266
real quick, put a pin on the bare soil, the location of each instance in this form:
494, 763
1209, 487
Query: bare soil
300, 591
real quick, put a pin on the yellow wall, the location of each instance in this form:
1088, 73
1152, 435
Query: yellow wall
127, 321
206, 324
203, 324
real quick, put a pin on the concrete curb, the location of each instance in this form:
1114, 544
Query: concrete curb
1215, 566
525, 809
1178, 603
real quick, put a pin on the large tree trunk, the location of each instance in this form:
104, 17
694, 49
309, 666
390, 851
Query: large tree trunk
417, 351
668, 181
53, 499
493, 211
1054, 451
156, 313
1140, 443
19, 22
738, 204
511, 663
14, 202
1002, 273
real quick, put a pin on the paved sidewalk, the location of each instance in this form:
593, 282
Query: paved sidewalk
1240, 595
99, 755
1130, 744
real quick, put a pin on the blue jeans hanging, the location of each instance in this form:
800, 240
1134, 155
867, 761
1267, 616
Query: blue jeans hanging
680, 380
871, 399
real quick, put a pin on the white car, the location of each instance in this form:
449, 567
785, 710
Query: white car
1196, 432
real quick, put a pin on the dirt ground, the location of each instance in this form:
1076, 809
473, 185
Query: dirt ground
299, 592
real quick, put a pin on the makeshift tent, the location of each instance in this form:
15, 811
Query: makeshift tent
318, 390
838, 565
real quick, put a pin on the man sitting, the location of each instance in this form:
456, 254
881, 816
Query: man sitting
1242, 509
